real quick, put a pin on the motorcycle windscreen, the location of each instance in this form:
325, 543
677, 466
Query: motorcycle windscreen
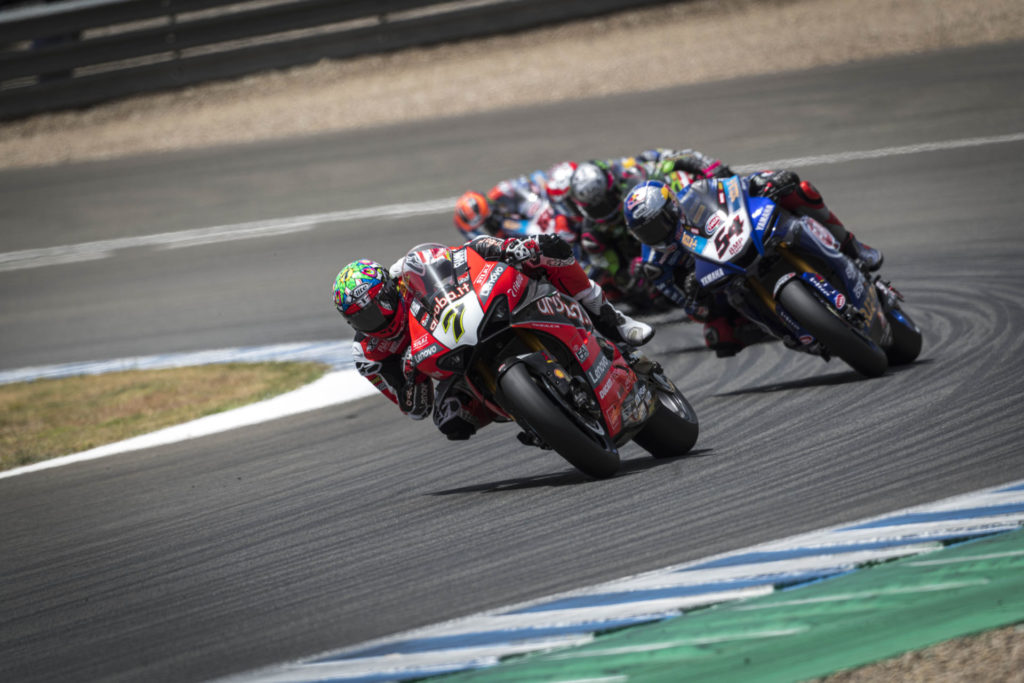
718, 225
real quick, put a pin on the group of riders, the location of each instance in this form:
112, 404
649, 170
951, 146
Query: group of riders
604, 232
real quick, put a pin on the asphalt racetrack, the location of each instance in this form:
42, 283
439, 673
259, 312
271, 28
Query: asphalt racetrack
310, 533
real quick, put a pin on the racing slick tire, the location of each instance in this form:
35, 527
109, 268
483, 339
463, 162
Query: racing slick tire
862, 355
537, 410
672, 430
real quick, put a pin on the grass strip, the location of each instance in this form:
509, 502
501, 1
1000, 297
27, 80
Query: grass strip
53, 417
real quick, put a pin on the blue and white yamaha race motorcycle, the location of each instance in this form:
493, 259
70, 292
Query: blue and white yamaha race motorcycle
786, 273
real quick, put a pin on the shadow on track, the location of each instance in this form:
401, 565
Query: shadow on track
833, 379
572, 477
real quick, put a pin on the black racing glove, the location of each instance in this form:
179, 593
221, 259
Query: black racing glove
695, 300
416, 394
554, 247
774, 184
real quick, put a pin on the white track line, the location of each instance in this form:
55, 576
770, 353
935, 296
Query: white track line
89, 251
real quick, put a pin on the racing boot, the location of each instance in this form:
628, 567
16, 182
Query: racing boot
618, 326
803, 198
610, 321
868, 257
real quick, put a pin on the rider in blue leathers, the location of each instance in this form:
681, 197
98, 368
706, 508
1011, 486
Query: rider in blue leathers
654, 215
597, 188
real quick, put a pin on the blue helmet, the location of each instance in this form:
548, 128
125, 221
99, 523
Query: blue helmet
652, 213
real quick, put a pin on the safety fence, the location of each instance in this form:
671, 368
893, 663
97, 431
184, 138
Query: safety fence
75, 53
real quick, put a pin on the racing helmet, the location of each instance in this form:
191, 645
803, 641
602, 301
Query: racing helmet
368, 298
652, 213
558, 178
594, 192
473, 214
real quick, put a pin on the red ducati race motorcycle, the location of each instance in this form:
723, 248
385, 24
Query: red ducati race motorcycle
531, 354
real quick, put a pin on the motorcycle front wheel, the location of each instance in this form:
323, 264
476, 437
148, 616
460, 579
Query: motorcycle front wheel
672, 430
859, 353
546, 415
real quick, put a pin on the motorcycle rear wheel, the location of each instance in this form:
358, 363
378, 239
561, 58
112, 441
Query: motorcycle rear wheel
860, 354
546, 416
672, 430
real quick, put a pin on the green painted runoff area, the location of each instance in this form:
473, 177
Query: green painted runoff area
840, 623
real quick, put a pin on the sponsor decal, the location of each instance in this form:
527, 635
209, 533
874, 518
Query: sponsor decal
711, 277
735, 247
459, 258
858, 287
426, 353
689, 241
762, 221
825, 288
715, 222
598, 370
555, 305
788, 320
442, 300
485, 289
517, 285
821, 233
734, 191
484, 272
781, 281
419, 342
604, 390
582, 353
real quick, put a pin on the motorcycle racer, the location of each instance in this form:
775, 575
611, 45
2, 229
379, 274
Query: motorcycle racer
520, 206
597, 188
654, 215
371, 299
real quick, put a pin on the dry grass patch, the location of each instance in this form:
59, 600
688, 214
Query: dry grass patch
53, 417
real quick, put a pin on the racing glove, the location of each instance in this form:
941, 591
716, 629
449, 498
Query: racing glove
515, 250
695, 300
774, 184
542, 249
416, 395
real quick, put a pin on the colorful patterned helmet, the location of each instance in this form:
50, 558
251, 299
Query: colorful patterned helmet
652, 213
473, 214
368, 299
595, 193
558, 178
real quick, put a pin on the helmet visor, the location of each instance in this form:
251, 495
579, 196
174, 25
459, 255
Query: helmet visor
369, 319
603, 209
657, 231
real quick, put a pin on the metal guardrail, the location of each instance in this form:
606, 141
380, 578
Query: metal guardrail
77, 53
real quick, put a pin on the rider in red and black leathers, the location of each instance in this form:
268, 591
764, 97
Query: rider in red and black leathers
386, 360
